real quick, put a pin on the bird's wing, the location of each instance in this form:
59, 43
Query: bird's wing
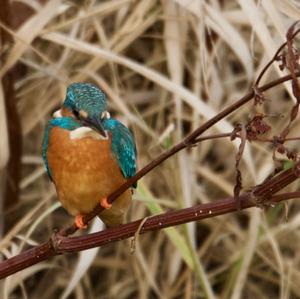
123, 147
45, 147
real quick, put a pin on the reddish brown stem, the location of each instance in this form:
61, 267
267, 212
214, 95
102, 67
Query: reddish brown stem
260, 139
188, 141
59, 244
267, 66
262, 194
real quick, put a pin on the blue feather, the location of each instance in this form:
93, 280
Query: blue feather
86, 97
67, 123
123, 146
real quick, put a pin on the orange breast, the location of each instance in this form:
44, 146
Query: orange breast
84, 171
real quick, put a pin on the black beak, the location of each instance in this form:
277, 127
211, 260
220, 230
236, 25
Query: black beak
94, 123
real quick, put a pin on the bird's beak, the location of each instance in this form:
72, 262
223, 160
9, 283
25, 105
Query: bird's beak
95, 123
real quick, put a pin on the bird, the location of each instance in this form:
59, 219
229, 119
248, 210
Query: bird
88, 155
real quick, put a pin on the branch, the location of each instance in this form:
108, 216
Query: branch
276, 55
187, 142
261, 194
59, 244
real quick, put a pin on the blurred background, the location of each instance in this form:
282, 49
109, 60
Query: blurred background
166, 67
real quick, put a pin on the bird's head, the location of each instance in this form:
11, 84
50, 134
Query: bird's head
87, 104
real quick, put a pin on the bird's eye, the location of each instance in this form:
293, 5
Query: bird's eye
76, 113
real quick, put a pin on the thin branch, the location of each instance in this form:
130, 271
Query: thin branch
214, 136
58, 244
187, 142
225, 135
276, 55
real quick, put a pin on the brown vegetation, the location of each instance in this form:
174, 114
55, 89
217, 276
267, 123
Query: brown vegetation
167, 67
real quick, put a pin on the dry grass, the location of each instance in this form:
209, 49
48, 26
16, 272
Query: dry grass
166, 66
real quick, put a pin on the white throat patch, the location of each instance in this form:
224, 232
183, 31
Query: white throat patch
105, 114
86, 132
57, 114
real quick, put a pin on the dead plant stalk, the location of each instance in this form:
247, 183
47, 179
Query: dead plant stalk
261, 195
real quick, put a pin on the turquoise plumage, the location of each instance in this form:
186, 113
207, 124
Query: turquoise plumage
123, 146
86, 97
88, 155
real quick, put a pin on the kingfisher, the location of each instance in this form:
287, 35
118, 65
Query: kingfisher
88, 155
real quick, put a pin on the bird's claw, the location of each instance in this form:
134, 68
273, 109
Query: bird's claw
104, 203
79, 222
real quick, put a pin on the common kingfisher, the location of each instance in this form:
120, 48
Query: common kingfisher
88, 155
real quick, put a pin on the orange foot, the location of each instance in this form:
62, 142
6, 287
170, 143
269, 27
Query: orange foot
79, 221
104, 203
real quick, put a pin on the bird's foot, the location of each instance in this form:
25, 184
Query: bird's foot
79, 221
104, 203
